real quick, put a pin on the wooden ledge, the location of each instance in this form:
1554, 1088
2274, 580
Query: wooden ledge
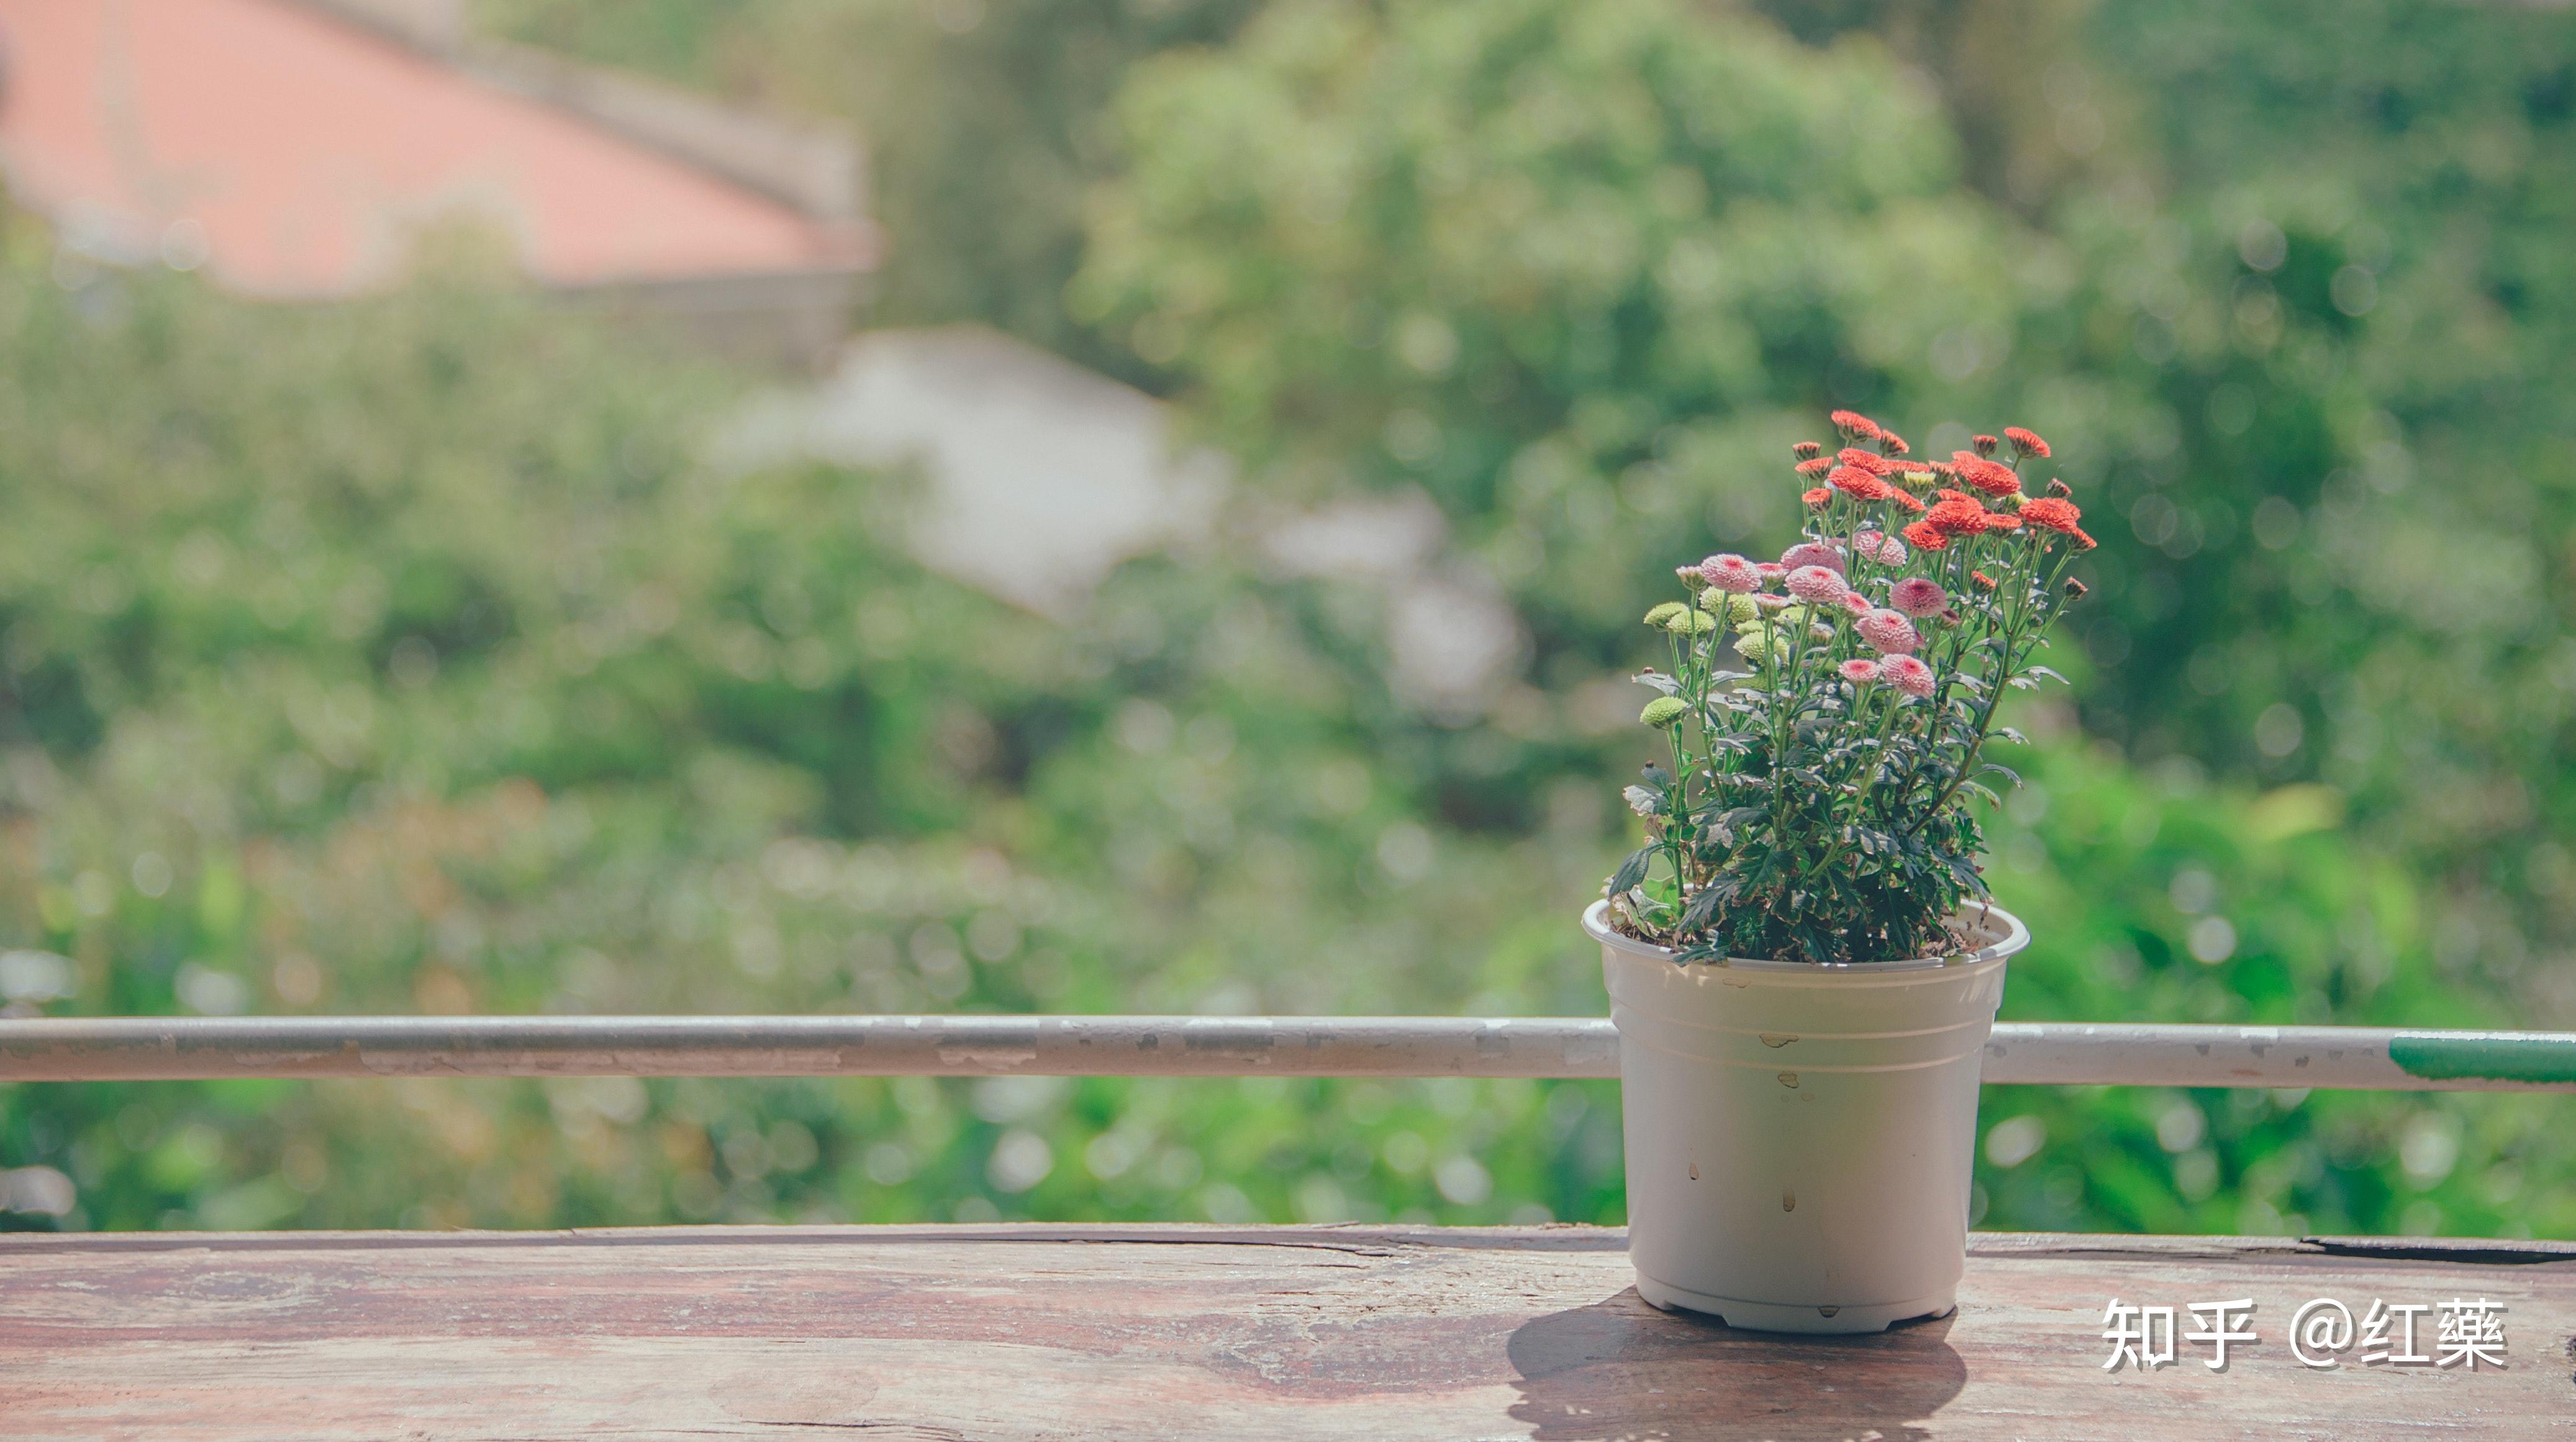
1146, 1332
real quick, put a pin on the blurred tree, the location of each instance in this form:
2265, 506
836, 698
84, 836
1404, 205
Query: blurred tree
2323, 282
1566, 269
1580, 274
982, 120
404, 657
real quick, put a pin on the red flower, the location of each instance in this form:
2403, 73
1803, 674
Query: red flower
2026, 443
2075, 589
2002, 521
2054, 513
1815, 466
1985, 444
1893, 444
2059, 488
1902, 499
1806, 450
1982, 579
1961, 517
1985, 475
1819, 498
1858, 483
2084, 542
1873, 462
1853, 423
1925, 536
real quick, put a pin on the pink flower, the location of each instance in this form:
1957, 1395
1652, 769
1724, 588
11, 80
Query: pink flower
1812, 553
1917, 596
1907, 674
1770, 570
1858, 672
1886, 550
1887, 632
1730, 572
1770, 602
1816, 584
1855, 602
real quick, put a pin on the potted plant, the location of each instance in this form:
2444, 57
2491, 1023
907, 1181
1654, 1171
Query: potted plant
1803, 961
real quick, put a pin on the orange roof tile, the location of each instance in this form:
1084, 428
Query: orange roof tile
306, 153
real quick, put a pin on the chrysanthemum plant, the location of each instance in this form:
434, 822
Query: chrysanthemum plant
1828, 715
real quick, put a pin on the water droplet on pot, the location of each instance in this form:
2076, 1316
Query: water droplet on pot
1777, 1039
1788, 1201
1788, 1079
1827, 1311
1694, 1171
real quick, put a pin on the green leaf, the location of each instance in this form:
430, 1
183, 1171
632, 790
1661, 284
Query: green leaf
1632, 870
1701, 908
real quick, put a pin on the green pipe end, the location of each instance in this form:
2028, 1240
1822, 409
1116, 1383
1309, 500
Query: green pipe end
2485, 1056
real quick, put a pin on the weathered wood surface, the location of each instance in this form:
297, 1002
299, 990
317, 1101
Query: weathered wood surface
1188, 1332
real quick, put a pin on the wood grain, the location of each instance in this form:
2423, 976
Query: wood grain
1187, 1332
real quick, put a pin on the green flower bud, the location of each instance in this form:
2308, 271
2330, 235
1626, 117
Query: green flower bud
1691, 623
1664, 711
1665, 613
1724, 605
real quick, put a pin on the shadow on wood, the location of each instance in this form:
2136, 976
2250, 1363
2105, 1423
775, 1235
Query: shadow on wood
1620, 1369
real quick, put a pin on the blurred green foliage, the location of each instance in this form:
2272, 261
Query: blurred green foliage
408, 655
983, 121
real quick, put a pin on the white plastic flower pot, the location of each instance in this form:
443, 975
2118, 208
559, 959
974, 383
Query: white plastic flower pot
1800, 1137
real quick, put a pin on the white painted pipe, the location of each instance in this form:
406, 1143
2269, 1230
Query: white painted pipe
2348, 1057
2049, 1053
136, 1048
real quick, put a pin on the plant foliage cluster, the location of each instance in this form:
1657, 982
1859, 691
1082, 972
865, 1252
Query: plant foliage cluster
1816, 806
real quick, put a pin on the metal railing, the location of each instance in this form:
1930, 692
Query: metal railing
2044, 1053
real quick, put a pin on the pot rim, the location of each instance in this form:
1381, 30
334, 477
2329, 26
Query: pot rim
2006, 931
